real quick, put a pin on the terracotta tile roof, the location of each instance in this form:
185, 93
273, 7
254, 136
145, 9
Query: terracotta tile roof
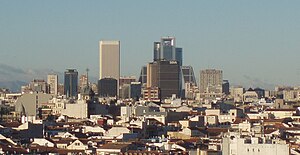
11, 124
114, 146
280, 110
13, 150
269, 131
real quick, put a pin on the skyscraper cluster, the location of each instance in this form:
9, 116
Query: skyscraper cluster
160, 79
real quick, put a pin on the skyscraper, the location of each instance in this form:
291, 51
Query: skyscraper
211, 81
164, 75
188, 81
188, 75
166, 50
83, 80
143, 76
71, 83
156, 51
52, 80
110, 60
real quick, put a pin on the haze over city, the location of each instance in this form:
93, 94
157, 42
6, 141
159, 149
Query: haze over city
253, 42
155, 77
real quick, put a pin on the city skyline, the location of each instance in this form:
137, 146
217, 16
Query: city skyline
250, 41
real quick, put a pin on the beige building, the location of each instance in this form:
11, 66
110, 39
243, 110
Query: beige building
76, 110
250, 96
28, 104
237, 94
110, 60
234, 144
52, 81
211, 81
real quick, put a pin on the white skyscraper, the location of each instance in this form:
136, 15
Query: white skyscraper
52, 81
109, 60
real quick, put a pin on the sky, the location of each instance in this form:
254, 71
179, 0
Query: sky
251, 41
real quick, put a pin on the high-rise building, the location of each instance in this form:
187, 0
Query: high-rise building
38, 85
135, 90
126, 80
52, 80
188, 75
188, 82
225, 87
107, 87
110, 60
156, 51
71, 83
83, 80
211, 81
143, 76
164, 75
178, 56
166, 50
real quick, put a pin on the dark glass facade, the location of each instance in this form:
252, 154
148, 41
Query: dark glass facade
71, 83
108, 87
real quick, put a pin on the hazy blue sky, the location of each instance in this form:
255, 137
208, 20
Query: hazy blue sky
249, 40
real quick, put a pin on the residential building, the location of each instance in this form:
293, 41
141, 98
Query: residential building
28, 104
237, 93
211, 81
234, 144
38, 85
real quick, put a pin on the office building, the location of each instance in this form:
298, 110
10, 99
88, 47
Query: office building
126, 80
124, 91
225, 87
107, 87
52, 81
164, 75
71, 83
179, 56
188, 75
156, 51
188, 82
211, 81
166, 50
143, 76
110, 60
135, 90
